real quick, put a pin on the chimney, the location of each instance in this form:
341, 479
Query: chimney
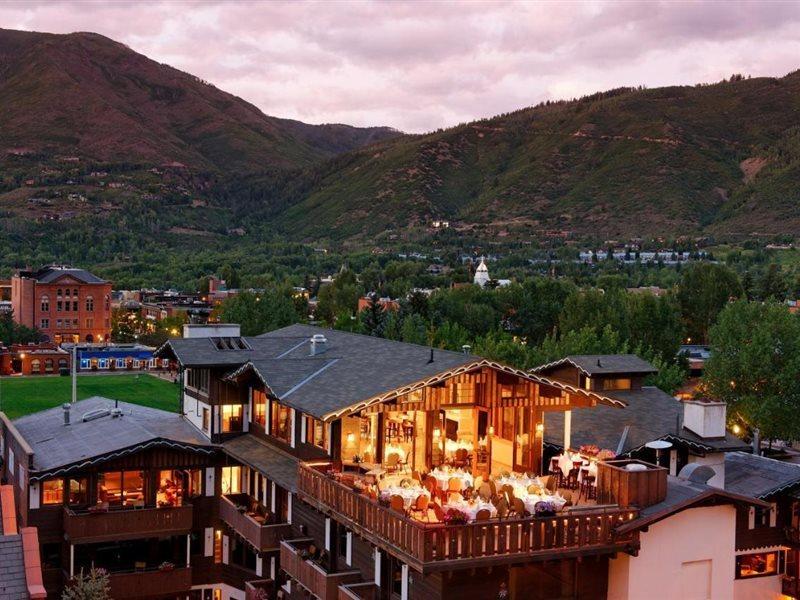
67, 407
705, 417
430, 360
318, 342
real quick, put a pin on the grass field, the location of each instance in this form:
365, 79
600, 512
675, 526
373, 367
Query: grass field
23, 395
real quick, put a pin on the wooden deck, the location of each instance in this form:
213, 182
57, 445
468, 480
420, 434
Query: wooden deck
260, 536
437, 547
312, 576
128, 523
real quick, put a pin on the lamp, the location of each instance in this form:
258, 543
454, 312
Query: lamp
437, 433
351, 438
539, 428
491, 430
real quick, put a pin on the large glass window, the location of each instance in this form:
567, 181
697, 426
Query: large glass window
121, 488
198, 379
231, 480
78, 491
757, 565
281, 422
89, 304
231, 417
260, 407
206, 419
53, 491
617, 384
170, 488
45, 304
316, 432
195, 483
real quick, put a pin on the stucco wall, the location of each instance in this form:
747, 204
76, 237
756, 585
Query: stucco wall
715, 460
759, 588
696, 545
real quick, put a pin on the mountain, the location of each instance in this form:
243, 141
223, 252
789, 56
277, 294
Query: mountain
85, 95
719, 159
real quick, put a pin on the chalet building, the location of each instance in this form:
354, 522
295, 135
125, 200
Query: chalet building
696, 429
387, 304
316, 463
64, 304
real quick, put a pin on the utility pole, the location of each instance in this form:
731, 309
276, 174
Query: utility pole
74, 373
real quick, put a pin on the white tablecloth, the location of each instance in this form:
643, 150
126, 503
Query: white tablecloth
591, 470
565, 462
471, 508
520, 483
443, 477
409, 495
530, 500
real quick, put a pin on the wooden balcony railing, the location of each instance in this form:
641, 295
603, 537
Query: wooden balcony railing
260, 588
146, 584
359, 591
85, 527
263, 537
435, 547
310, 575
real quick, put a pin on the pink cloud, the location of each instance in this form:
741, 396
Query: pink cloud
417, 65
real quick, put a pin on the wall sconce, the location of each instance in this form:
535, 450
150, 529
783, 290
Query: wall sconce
539, 428
351, 438
437, 433
491, 430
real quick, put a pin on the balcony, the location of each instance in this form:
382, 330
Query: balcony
146, 584
256, 589
310, 575
437, 547
264, 537
359, 591
88, 526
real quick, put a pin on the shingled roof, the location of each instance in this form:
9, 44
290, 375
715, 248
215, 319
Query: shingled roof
650, 414
602, 364
52, 273
59, 449
759, 476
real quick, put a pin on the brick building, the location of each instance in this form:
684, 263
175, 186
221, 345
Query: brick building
65, 304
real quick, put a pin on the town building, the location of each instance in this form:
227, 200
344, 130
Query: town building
319, 463
481, 277
387, 304
64, 304
34, 359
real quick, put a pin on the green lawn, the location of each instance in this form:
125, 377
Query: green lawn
23, 395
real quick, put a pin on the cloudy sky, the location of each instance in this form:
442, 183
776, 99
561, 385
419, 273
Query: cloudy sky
422, 65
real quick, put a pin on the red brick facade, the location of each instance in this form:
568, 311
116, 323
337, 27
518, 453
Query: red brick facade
66, 305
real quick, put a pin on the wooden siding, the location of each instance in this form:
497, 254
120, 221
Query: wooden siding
617, 485
262, 537
310, 575
146, 584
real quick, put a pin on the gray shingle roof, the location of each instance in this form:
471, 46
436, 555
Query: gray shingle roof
650, 415
57, 446
280, 467
202, 352
50, 274
13, 585
602, 364
759, 476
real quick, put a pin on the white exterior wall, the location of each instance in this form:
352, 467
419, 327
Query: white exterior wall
193, 410
758, 588
716, 461
706, 419
689, 555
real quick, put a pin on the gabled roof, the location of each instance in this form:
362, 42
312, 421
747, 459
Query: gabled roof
279, 466
683, 494
52, 274
759, 476
59, 449
353, 371
602, 364
650, 414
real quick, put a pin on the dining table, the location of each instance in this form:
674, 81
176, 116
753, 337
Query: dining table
519, 482
470, 507
443, 477
408, 494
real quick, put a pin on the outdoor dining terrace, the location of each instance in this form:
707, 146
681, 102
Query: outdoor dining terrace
475, 535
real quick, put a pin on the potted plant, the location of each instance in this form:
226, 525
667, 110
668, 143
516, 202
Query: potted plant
455, 517
606, 454
544, 508
589, 450
166, 566
357, 459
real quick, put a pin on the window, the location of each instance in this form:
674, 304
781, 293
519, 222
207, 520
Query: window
206, 419
507, 424
53, 491
89, 304
617, 384
89, 323
231, 417
59, 306
198, 379
66, 292
78, 492
281, 422
316, 432
194, 486
59, 293
75, 293
121, 488
44, 324
36, 365
757, 565
75, 306
260, 407
170, 488
45, 304
231, 480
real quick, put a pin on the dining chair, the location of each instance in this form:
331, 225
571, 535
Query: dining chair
431, 484
485, 492
454, 484
392, 461
421, 505
478, 482
502, 508
397, 503
416, 476
493, 487
567, 495
438, 512
508, 490
483, 514
519, 507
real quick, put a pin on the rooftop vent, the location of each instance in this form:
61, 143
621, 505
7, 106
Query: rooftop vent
67, 407
230, 343
318, 342
697, 473
95, 414
466, 348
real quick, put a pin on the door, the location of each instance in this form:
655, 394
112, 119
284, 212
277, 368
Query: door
696, 580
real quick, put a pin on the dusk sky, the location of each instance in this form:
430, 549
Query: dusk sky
420, 65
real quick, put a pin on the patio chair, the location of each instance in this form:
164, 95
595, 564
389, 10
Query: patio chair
567, 495
485, 492
454, 485
508, 491
432, 485
454, 497
421, 506
483, 515
438, 512
552, 484
572, 479
519, 508
478, 482
392, 462
502, 508
396, 503
587, 489
462, 458
416, 476
493, 487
